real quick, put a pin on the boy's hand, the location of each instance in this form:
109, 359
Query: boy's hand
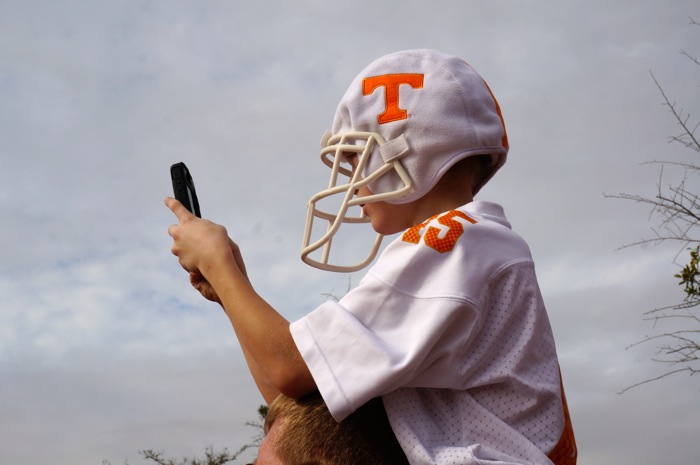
202, 285
198, 244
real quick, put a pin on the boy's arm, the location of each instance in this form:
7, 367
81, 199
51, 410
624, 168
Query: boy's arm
204, 249
264, 335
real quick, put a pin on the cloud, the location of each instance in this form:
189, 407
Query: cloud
104, 347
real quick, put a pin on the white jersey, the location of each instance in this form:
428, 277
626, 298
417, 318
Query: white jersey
449, 327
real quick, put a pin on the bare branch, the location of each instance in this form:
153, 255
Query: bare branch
687, 166
676, 207
692, 58
680, 119
646, 381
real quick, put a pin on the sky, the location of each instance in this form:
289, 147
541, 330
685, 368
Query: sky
105, 349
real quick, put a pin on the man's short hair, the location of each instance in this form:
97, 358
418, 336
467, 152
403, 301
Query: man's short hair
307, 434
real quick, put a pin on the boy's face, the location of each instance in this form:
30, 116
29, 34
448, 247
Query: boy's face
386, 218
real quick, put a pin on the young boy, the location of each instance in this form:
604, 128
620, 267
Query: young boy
448, 326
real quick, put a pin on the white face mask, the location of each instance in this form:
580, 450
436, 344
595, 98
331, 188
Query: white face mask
341, 195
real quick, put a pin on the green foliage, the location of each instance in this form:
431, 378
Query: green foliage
262, 411
690, 277
211, 457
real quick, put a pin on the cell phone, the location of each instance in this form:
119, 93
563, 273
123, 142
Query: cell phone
183, 187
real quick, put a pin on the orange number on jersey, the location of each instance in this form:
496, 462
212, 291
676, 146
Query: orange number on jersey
452, 231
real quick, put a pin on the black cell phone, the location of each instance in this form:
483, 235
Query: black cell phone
183, 187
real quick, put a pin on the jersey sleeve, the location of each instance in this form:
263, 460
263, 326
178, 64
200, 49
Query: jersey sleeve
377, 339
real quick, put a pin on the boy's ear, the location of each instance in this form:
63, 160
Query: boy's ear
482, 167
476, 168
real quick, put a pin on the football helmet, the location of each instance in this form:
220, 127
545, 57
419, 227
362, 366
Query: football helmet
408, 117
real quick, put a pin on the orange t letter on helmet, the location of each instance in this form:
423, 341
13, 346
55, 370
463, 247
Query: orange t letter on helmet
391, 83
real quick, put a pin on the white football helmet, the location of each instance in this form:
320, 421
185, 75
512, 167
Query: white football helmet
409, 117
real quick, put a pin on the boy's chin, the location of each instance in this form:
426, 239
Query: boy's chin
386, 230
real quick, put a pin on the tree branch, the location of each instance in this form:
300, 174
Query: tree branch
669, 373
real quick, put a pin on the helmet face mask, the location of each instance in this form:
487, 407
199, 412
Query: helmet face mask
345, 182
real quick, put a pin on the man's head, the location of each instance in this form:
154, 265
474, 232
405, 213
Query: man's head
408, 117
303, 432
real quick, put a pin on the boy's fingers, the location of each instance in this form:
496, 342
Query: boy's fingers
178, 209
171, 232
